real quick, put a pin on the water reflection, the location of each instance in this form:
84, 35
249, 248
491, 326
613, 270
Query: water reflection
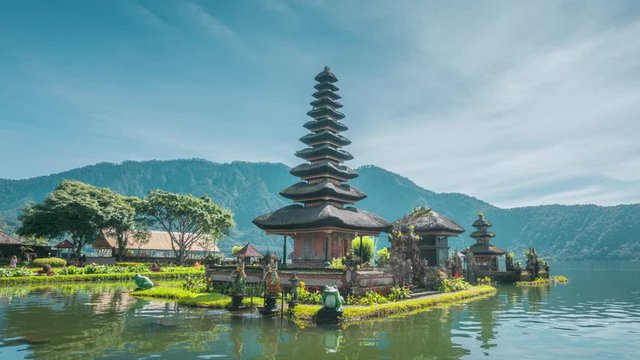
589, 318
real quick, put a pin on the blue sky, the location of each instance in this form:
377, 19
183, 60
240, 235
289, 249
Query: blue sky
516, 103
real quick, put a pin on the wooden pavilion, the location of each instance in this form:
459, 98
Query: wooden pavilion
434, 230
323, 221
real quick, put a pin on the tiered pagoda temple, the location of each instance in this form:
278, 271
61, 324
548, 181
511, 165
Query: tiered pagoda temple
322, 222
487, 257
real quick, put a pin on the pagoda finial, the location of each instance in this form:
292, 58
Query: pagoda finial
326, 68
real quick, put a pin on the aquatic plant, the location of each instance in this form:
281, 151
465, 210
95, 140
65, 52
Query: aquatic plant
197, 284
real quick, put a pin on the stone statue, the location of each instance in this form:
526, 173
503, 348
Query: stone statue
239, 280
142, 282
272, 282
331, 298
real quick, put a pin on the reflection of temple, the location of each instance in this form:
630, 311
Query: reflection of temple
434, 230
487, 257
322, 222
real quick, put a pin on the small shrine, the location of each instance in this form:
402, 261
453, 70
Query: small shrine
322, 221
486, 257
433, 230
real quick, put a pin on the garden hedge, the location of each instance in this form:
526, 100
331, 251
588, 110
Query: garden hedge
97, 277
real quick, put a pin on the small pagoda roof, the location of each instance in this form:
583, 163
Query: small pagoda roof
482, 234
325, 111
484, 249
325, 123
326, 94
322, 216
307, 170
324, 151
6, 239
325, 101
326, 86
425, 221
325, 136
326, 75
325, 188
64, 244
247, 251
481, 221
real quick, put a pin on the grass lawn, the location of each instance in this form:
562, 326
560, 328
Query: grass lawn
306, 313
186, 297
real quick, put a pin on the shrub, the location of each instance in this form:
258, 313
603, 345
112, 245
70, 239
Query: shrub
16, 272
92, 277
307, 296
371, 298
384, 258
368, 247
337, 264
453, 284
54, 262
70, 270
484, 281
399, 293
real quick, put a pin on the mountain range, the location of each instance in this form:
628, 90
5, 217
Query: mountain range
559, 232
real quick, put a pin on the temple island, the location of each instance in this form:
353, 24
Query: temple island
325, 225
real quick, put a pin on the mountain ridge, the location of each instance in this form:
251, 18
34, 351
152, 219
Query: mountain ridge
251, 188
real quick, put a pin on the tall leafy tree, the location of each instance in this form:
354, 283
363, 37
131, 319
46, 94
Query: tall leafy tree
187, 219
122, 224
78, 210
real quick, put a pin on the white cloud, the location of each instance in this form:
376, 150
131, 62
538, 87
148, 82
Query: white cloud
516, 114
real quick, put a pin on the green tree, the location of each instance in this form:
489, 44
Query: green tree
122, 223
368, 246
187, 219
73, 208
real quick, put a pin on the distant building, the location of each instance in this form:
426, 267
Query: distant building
487, 257
323, 223
434, 231
12, 245
156, 245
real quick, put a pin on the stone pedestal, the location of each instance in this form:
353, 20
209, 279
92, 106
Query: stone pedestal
236, 302
328, 315
269, 308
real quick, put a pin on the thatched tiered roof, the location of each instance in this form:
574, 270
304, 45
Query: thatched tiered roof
323, 191
323, 216
426, 221
483, 236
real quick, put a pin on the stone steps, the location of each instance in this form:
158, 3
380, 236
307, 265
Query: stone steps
422, 293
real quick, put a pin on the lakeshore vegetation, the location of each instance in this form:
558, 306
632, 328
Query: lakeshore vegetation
82, 211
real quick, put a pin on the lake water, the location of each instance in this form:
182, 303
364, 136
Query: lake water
595, 316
